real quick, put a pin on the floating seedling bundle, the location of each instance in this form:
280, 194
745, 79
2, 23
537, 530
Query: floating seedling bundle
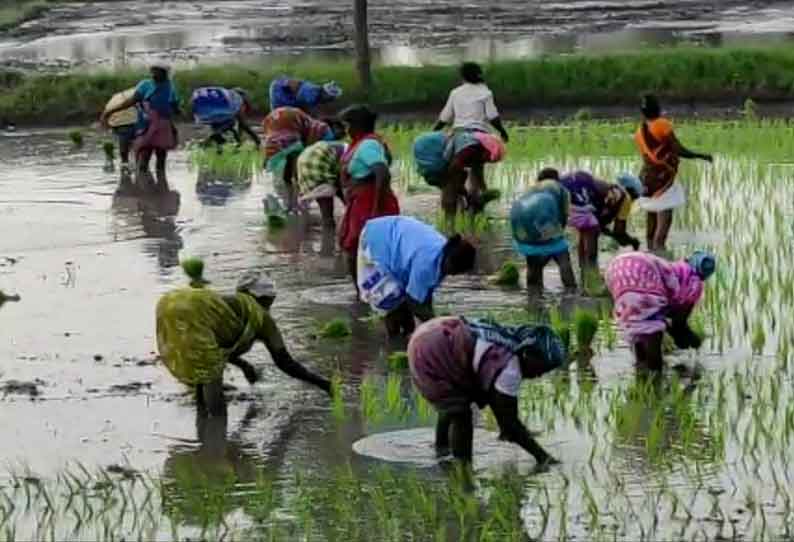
229, 164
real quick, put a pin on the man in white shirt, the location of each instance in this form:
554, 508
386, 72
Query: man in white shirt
471, 105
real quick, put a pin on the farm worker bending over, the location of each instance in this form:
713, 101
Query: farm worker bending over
538, 220
652, 296
224, 111
471, 108
661, 152
456, 362
365, 180
123, 124
286, 92
595, 204
401, 261
443, 160
318, 177
199, 331
159, 103
288, 131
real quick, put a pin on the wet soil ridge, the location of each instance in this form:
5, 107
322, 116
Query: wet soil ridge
682, 75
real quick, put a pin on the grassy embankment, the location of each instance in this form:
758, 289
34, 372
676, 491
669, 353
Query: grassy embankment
682, 74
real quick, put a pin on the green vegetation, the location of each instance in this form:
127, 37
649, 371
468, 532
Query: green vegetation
109, 149
76, 137
230, 163
338, 328
508, 275
194, 269
585, 325
684, 74
397, 361
276, 221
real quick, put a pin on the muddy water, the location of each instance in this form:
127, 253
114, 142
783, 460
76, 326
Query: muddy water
407, 32
90, 266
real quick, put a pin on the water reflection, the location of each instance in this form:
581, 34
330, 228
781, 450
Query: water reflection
200, 483
154, 213
232, 41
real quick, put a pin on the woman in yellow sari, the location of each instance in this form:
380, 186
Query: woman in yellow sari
661, 152
199, 331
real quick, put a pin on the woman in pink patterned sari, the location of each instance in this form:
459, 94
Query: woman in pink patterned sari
653, 296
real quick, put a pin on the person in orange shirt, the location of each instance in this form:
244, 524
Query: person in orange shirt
661, 152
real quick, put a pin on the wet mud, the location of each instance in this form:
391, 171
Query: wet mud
410, 32
90, 265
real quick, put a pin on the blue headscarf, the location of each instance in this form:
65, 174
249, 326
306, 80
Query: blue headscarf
539, 340
631, 184
703, 263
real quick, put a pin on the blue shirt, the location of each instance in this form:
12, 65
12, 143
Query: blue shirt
368, 154
410, 250
162, 98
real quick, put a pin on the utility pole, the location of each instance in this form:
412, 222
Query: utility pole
362, 45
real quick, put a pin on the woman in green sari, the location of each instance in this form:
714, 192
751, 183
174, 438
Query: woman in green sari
199, 331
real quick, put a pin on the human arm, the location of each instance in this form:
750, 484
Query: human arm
683, 152
271, 337
497, 123
679, 330
245, 127
505, 409
381, 174
620, 235
447, 115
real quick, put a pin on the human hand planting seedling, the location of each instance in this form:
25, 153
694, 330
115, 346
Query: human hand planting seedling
456, 362
193, 322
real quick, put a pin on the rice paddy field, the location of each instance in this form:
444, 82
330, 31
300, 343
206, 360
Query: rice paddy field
700, 452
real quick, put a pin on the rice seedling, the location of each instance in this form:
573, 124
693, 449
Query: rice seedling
336, 328
194, 269
508, 275
76, 137
109, 149
276, 221
231, 163
397, 361
585, 324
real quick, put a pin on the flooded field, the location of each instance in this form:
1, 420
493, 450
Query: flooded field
101, 443
406, 32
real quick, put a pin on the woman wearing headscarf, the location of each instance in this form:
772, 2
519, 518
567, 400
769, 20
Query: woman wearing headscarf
199, 331
401, 262
538, 220
595, 205
159, 103
661, 153
365, 180
288, 131
443, 161
455, 362
653, 296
